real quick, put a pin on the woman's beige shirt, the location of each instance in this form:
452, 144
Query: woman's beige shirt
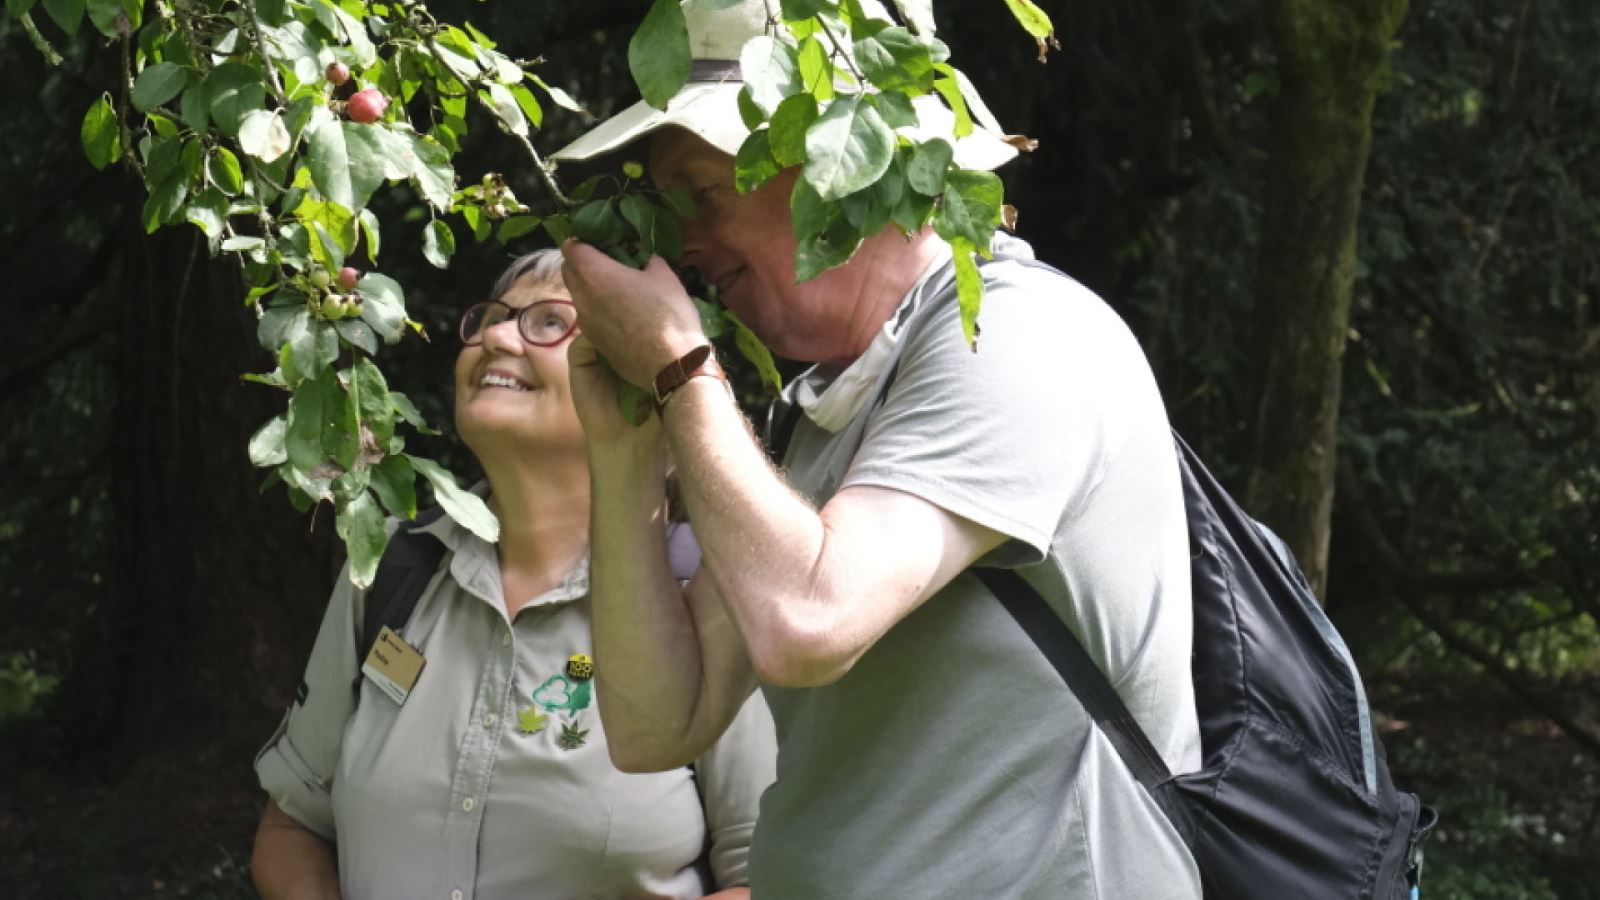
475, 788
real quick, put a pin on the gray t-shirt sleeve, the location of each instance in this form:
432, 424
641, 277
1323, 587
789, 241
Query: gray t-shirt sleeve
1009, 436
296, 766
731, 776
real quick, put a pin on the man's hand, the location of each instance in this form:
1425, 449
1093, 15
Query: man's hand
595, 390
640, 321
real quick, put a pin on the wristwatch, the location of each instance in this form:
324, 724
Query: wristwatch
697, 362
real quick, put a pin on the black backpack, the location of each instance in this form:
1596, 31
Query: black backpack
1293, 798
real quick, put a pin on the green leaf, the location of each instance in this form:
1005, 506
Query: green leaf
304, 439
895, 108
528, 103
770, 70
394, 481
808, 214
467, 509
223, 169
757, 353
68, 14
1032, 19
105, 16
969, 289
833, 247
157, 84
208, 212
369, 230
788, 129
658, 53
360, 525
279, 323
367, 148
383, 306
358, 334
680, 201
918, 14
847, 149
101, 133
641, 214
408, 411
714, 320
597, 222
815, 69
268, 446
431, 172
561, 97
235, 89
911, 212
516, 227
375, 405
438, 243
805, 9
754, 166
165, 200
505, 107
330, 163
341, 429
969, 208
950, 90
749, 113
893, 59
929, 164
263, 135
866, 209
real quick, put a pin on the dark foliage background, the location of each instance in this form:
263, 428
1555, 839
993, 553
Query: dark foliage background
155, 610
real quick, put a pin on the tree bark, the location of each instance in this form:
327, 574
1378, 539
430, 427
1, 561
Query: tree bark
1332, 58
217, 588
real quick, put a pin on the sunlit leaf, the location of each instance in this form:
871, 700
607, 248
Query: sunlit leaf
467, 509
847, 148
658, 54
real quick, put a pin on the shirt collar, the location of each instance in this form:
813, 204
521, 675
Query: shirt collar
475, 564
830, 401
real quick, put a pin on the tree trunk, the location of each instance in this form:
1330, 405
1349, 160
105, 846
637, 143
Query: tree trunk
217, 588
1331, 60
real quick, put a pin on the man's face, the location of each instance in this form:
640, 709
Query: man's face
744, 244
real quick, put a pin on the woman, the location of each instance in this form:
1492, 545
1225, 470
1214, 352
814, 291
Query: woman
492, 779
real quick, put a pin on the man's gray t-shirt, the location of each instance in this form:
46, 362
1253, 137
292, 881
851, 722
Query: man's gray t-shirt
951, 761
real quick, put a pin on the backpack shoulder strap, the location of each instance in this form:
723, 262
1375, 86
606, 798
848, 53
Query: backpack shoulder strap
407, 566
1064, 651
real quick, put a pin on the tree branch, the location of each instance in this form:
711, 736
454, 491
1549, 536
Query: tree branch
1398, 569
1586, 738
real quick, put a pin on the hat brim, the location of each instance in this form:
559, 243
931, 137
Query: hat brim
711, 111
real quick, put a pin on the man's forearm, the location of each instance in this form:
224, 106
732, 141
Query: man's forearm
652, 665
761, 541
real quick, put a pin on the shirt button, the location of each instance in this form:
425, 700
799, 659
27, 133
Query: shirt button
455, 894
490, 720
466, 805
505, 639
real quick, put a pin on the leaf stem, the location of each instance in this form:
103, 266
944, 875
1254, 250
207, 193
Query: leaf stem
261, 50
43, 46
546, 172
838, 50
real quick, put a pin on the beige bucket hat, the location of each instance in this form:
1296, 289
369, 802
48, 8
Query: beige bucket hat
708, 104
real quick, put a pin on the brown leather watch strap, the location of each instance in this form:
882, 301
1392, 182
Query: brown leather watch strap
702, 360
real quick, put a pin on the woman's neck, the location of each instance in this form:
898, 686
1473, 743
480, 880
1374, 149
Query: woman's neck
542, 501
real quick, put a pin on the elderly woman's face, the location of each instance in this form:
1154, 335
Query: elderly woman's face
510, 393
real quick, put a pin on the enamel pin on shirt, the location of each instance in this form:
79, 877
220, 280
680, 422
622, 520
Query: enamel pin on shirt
393, 665
567, 694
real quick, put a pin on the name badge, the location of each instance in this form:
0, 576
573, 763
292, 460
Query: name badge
393, 665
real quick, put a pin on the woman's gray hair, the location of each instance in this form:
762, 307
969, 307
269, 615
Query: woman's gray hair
543, 266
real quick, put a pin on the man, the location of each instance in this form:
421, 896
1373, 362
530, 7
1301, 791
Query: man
927, 748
